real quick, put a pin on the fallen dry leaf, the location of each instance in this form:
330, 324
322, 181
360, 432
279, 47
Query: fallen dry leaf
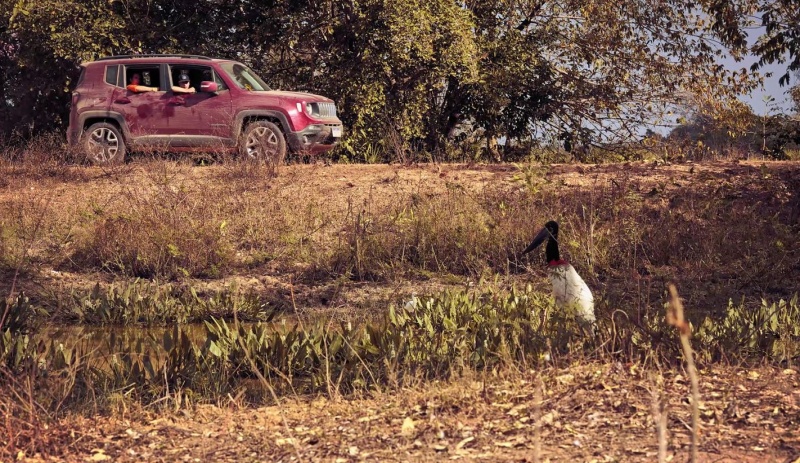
464, 442
408, 428
98, 456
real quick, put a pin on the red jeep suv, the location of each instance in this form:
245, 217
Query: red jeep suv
189, 103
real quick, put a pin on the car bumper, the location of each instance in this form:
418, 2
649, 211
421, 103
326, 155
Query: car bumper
315, 138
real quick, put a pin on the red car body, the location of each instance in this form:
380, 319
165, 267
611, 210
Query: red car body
231, 108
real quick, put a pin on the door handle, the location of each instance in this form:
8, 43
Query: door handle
176, 101
123, 100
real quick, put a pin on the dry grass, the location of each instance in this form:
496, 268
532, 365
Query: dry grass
588, 412
627, 228
163, 227
676, 319
339, 231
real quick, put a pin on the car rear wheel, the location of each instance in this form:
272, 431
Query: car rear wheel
263, 141
104, 144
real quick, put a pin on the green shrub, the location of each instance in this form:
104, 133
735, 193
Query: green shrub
428, 338
18, 323
154, 303
770, 331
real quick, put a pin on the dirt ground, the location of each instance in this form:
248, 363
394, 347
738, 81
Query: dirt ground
588, 413
354, 186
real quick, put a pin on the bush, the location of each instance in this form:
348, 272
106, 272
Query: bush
171, 232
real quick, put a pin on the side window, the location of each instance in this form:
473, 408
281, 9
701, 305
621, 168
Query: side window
111, 74
145, 75
196, 74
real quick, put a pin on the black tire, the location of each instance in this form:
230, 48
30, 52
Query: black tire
263, 141
103, 144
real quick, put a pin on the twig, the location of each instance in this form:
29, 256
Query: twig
675, 318
537, 416
659, 410
266, 383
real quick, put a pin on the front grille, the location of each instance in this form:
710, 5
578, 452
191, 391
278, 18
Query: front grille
327, 109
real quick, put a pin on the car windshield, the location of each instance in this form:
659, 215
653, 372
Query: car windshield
244, 77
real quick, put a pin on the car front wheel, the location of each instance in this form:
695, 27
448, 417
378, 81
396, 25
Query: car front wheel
263, 141
104, 144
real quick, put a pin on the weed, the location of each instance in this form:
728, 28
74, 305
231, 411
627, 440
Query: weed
435, 337
154, 303
175, 232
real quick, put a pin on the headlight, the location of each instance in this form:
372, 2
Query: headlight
309, 109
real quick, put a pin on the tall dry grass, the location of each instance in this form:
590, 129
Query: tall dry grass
164, 227
167, 220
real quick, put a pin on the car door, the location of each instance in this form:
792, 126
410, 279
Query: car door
200, 119
143, 111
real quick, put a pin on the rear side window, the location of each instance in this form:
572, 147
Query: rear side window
148, 74
80, 78
111, 74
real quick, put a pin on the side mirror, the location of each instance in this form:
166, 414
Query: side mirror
208, 86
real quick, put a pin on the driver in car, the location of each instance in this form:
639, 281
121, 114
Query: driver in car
184, 85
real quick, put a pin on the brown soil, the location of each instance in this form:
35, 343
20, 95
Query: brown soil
591, 412
356, 186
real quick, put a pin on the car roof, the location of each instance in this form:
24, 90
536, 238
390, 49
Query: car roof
150, 59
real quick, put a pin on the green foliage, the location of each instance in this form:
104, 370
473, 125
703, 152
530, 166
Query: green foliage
447, 333
406, 52
435, 337
429, 70
41, 42
769, 331
18, 323
153, 303
429, 337
532, 177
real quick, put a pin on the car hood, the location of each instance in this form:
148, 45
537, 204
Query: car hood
298, 95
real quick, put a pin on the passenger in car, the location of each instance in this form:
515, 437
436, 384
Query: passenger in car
146, 78
135, 86
183, 84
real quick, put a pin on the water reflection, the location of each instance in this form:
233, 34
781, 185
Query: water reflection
88, 337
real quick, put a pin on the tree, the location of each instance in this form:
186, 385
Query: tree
595, 70
588, 71
389, 63
40, 44
781, 41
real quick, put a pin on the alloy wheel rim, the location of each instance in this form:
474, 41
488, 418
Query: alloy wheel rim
261, 142
103, 144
